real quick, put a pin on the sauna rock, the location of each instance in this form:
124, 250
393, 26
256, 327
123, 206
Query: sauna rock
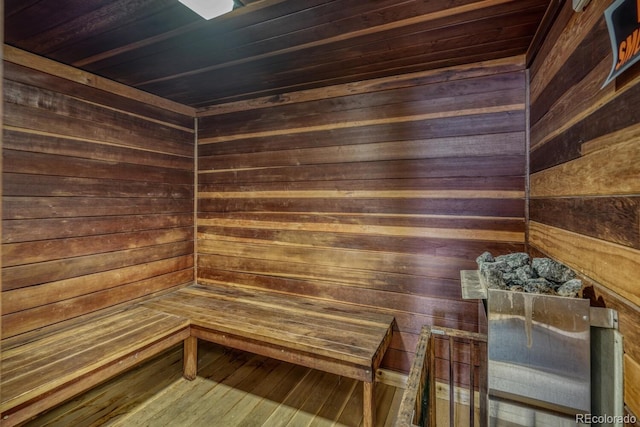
518, 272
552, 270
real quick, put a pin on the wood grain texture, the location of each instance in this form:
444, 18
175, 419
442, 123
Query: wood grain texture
469, 145
407, 80
478, 166
39, 317
270, 48
47, 143
410, 411
610, 118
560, 44
614, 219
588, 52
28, 274
35, 296
373, 195
584, 183
26, 59
190, 358
336, 338
97, 195
587, 94
613, 170
248, 390
44, 372
631, 389
628, 314
612, 265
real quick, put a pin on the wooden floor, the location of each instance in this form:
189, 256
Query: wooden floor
232, 389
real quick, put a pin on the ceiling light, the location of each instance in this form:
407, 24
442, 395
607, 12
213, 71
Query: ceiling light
209, 9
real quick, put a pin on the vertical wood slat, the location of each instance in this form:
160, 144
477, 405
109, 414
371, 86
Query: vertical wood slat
411, 411
432, 383
422, 378
476, 343
472, 373
452, 386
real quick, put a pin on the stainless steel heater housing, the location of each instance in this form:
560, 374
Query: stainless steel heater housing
539, 350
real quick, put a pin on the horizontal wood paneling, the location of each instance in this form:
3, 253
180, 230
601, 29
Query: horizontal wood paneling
29, 275
612, 265
611, 170
464, 71
375, 194
91, 84
97, 195
606, 218
585, 191
457, 167
47, 143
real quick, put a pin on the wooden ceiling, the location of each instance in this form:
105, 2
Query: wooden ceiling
267, 47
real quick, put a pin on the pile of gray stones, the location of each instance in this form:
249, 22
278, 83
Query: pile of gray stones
518, 272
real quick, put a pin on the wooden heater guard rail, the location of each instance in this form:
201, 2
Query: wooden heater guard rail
422, 380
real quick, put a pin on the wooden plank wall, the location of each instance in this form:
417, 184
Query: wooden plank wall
97, 194
1, 145
376, 193
585, 170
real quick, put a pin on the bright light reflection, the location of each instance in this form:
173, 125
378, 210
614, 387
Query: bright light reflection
209, 9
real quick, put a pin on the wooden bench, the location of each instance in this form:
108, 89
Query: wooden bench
338, 338
45, 369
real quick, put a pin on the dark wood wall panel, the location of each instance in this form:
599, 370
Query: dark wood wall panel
376, 195
98, 197
585, 170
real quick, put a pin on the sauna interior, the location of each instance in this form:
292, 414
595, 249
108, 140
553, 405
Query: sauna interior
344, 159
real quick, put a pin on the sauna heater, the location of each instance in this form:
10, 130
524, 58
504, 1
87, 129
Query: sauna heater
539, 351
550, 358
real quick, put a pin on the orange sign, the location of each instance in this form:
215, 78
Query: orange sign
623, 22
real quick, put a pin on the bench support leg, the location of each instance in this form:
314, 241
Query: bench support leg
190, 363
369, 405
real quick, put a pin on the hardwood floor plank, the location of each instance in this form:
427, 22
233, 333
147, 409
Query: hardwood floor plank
308, 411
186, 393
335, 404
351, 414
272, 400
214, 398
233, 389
262, 390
